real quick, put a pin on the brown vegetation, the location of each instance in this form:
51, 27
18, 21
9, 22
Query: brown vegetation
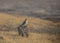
10, 22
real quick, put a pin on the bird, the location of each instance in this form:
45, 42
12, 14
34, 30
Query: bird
22, 30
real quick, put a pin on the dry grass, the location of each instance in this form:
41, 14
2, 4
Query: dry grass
35, 23
12, 37
6, 19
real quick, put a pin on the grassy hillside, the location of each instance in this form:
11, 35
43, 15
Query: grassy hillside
33, 22
10, 22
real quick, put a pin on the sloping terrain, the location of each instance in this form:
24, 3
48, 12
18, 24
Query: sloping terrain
41, 31
35, 23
